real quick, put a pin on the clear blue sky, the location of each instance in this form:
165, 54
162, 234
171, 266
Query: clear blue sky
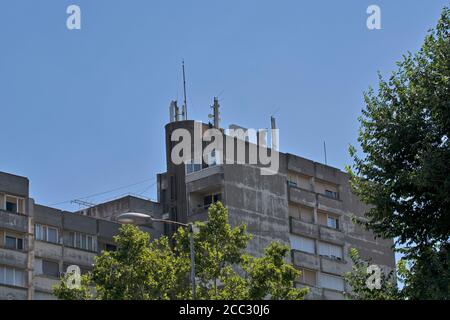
83, 111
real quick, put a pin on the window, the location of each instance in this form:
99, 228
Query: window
327, 219
50, 268
46, 233
38, 232
333, 222
110, 247
331, 194
328, 189
330, 250
14, 204
294, 211
83, 269
292, 180
307, 214
90, 243
301, 212
331, 282
210, 199
82, 241
302, 244
298, 180
308, 277
192, 167
12, 276
11, 206
214, 158
52, 235
73, 239
12, 242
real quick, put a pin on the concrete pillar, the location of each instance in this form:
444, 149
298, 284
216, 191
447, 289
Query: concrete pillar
30, 250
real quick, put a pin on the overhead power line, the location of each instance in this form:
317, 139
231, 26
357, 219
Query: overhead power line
102, 193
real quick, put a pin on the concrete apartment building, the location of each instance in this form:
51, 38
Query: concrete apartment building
38, 243
305, 205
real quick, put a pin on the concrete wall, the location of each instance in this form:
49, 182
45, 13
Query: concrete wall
30, 259
110, 210
13, 221
347, 236
12, 293
262, 203
14, 185
259, 202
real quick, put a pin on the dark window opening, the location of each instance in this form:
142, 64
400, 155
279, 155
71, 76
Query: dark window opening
292, 183
210, 199
331, 194
10, 242
13, 243
50, 268
11, 207
19, 244
110, 247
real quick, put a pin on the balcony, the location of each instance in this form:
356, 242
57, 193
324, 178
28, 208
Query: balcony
334, 266
13, 293
44, 283
300, 165
199, 214
329, 294
47, 250
305, 260
13, 258
200, 201
330, 204
78, 256
331, 235
304, 228
302, 196
13, 221
204, 173
314, 293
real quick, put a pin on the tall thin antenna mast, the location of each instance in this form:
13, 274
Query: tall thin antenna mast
216, 114
184, 89
274, 134
325, 151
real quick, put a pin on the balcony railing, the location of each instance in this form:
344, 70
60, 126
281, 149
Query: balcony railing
206, 172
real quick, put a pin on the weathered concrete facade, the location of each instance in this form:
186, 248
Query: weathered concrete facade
38, 243
305, 204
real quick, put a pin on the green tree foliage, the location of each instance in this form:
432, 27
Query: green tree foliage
270, 276
217, 248
141, 269
359, 276
404, 172
66, 291
137, 270
427, 275
223, 269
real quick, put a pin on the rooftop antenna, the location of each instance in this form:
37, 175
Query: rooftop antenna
82, 203
173, 110
274, 133
216, 114
184, 90
325, 151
